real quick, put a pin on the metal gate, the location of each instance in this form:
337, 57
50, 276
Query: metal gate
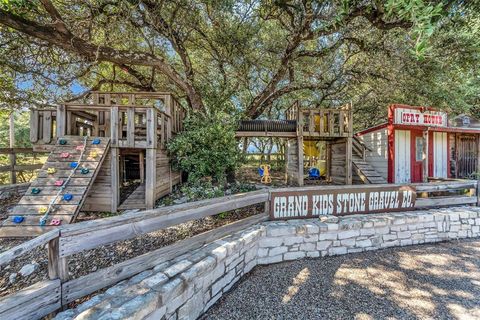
467, 156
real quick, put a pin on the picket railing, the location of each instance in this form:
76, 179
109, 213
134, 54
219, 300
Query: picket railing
47, 296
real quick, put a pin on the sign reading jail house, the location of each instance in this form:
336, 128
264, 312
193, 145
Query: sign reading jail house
315, 203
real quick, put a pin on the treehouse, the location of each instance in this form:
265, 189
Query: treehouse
304, 128
97, 147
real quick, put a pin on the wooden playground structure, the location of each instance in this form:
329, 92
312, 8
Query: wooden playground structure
89, 142
345, 154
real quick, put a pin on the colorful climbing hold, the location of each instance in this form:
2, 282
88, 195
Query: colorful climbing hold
51, 170
65, 155
96, 141
93, 154
43, 221
73, 165
55, 222
62, 142
59, 183
42, 210
35, 190
67, 197
79, 148
17, 219
84, 171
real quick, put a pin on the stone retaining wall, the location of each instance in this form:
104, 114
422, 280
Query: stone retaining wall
189, 285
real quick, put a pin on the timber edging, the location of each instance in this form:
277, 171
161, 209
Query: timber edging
71, 239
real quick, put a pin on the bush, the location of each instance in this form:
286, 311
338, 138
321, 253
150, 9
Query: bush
207, 149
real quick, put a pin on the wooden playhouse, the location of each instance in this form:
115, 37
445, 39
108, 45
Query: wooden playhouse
418, 143
96, 145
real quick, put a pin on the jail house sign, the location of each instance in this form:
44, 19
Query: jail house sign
314, 203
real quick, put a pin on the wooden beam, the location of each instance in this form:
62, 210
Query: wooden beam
152, 124
348, 161
425, 157
115, 178
151, 178
12, 156
131, 127
300, 161
34, 125
47, 126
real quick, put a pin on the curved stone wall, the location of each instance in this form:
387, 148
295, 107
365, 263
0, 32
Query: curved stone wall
189, 285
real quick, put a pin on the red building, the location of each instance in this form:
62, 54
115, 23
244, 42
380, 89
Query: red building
420, 142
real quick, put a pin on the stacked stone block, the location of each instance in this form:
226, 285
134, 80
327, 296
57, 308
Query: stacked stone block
190, 284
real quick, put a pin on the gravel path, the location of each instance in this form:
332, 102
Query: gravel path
440, 281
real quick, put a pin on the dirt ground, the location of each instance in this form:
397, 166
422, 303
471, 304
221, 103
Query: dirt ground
437, 281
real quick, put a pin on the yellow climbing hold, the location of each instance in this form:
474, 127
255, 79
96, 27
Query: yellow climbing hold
42, 210
51, 170
93, 154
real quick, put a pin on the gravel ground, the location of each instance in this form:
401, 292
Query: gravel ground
440, 281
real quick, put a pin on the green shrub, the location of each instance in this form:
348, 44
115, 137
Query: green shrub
207, 149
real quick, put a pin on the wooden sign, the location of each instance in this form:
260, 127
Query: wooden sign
417, 117
340, 201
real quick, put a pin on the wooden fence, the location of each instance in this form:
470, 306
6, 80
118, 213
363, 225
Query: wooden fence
13, 167
47, 296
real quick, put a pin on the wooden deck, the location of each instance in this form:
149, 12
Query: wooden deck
79, 185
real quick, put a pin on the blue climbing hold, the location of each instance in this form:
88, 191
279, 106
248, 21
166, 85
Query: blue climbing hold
73, 165
96, 141
35, 190
84, 170
62, 142
67, 197
17, 219
43, 221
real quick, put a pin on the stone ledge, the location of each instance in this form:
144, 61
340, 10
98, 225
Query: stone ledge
189, 285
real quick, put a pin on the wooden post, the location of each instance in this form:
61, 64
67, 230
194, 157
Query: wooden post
141, 160
328, 160
115, 174
12, 156
114, 123
150, 179
348, 160
130, 127
425, 157
61, 119
478, 170
300, 161
57, 266
152, 124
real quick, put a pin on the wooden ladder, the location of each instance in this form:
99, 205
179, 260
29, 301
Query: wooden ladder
29, 206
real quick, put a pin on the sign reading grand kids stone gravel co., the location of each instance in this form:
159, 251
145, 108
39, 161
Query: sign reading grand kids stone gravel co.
342, 201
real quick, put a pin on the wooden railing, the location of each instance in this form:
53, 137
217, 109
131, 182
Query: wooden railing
132, 120
14, 167
47, 296
315, 122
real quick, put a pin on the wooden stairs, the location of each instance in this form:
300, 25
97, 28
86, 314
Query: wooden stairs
366, 172
362, 169
30, 205
136, 200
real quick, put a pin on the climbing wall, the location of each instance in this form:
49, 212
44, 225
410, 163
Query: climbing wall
56, 196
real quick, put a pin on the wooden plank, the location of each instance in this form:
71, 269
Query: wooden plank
47, 126
34, 118
9, 255
444, 186
26, 231
152, 124
33, 302
444, 201
103, 231
131, 127
115, 178
114, 123
87, 284
151, 178
265, 134
348, 161
25, 210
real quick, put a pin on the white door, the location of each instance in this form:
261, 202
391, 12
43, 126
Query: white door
402, 156
440, 155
